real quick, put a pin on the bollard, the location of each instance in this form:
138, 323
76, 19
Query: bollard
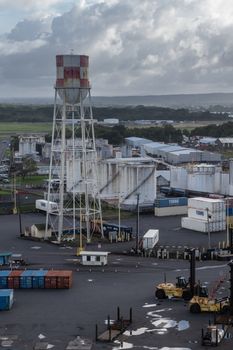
130, 315
122, 324
118, 313
96, 332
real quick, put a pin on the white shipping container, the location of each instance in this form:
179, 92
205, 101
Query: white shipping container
169, 211
204, 203
201, 214
202, 226
44, 205
150, 239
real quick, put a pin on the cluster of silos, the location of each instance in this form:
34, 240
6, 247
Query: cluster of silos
124, 178
28, 144
202, 178
205, 215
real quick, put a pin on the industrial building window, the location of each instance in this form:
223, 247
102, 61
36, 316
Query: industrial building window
98, 258
88, 258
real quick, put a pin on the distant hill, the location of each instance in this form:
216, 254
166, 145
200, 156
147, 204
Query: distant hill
173, 101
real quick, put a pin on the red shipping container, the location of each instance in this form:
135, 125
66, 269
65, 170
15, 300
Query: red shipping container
60, 279
14, 279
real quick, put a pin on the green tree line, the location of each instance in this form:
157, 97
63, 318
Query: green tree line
44, 113
213, 130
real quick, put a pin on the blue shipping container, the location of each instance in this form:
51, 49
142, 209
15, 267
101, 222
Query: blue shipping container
33, 279
6, 299
38, 278
171, 202
26, 279
4, 279
5, 258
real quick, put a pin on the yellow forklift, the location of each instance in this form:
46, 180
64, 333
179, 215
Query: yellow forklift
182, 289
205, 304
210, 304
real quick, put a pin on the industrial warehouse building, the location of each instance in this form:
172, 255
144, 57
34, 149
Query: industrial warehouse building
175, 154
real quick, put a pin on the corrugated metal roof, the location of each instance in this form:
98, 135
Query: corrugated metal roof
137, 139
173, 148
226, 139
185, 151
208, 140
155, 145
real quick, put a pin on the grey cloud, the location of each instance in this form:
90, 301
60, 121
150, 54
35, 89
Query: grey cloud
135, 47
29, 30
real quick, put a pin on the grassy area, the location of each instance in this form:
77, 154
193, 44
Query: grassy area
31, 180
11, 128
190, 125
5, 191
112, 214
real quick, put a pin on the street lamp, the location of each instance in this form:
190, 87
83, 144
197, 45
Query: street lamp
227, 221
119, 215
137, 224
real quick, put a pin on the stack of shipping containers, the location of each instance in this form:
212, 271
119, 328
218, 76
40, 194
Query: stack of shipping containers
171, 206
205, 215
35, 279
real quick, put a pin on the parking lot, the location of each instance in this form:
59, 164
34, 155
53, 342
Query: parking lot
56, 317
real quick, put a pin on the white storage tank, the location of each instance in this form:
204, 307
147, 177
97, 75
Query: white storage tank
150, 239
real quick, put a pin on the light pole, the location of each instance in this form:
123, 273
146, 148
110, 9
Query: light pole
137, 226
227, 221
119, 215
19, 211
208, 227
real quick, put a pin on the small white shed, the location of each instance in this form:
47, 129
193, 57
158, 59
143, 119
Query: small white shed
39, 231
94, 258
150, 239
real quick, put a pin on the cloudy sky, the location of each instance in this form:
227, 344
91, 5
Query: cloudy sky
136, 47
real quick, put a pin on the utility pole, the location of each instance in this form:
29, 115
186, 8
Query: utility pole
119, 215
19, 213
208, 227
15, 194
137, 226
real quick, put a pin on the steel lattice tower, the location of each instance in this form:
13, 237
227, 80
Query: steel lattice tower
73, 182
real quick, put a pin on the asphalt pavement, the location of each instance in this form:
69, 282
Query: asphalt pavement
56, 317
